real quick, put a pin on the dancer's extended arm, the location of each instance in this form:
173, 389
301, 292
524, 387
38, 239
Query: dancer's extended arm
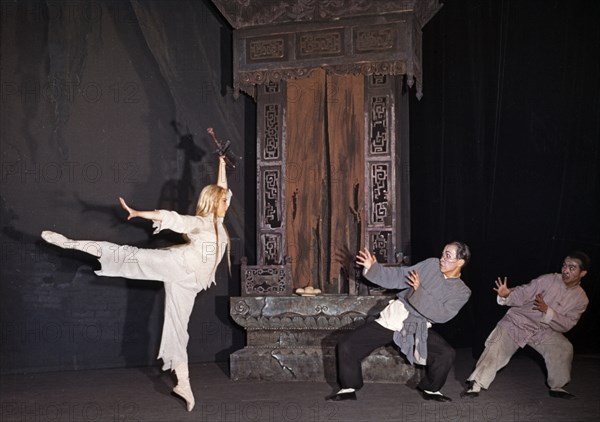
148, 215
222, 175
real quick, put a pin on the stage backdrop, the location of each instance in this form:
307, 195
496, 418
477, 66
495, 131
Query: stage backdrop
112, 98
505, 148
100, 100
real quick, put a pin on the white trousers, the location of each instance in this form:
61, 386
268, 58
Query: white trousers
181, 288
556, 350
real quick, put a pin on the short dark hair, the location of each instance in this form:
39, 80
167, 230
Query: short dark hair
582, 257
462, 251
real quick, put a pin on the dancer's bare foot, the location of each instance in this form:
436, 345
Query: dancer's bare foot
185, 392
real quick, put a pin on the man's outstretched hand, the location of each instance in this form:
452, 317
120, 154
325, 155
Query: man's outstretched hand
501, 287
365, 258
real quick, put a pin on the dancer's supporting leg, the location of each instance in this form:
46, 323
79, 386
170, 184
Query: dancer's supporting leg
183, 387
179, 302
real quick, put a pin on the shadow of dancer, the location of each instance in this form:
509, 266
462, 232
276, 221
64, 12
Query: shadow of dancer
178, 194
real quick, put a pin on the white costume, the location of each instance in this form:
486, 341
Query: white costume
184, 269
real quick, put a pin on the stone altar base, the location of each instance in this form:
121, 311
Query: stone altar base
293, 338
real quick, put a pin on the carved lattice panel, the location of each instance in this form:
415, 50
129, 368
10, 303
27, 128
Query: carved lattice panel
379, 141
381, 245
272, 132
381, 207
272, 248
271, 184
266, 280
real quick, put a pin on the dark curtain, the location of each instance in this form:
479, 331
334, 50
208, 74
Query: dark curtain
505, 148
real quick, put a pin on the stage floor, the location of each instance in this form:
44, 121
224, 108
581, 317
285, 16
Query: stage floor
143, 394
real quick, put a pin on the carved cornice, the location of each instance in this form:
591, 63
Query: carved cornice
247, 81
387, 44
285, 39
253, 13
367, 69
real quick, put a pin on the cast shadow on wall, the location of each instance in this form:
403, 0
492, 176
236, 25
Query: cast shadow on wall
179, 194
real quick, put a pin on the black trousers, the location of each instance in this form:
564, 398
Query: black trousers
358, 344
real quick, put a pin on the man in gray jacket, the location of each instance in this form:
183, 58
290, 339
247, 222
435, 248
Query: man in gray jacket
431, 292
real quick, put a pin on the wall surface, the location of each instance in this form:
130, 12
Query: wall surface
90, 94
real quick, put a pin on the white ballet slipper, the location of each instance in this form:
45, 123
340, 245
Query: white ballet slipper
185, 392
91, 247
56, 239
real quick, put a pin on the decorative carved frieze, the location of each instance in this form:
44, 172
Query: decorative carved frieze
368, 45
320, 44
368, 69
293, 338
249, 80
376, 38
326, 312
269, 49
245, 13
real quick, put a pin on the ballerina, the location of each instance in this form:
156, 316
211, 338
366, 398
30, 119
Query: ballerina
184, 269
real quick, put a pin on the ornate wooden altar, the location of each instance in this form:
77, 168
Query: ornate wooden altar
331, 82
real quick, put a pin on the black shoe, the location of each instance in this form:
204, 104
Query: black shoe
435, 397
469, 394
341, 396
467, 391
561, 394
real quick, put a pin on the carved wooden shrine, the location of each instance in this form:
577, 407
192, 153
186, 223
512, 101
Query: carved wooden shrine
331, 82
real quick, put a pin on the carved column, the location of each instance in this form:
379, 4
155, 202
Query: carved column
385, 159
271, 156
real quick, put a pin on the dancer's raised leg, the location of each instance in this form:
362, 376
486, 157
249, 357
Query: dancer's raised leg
88, 246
